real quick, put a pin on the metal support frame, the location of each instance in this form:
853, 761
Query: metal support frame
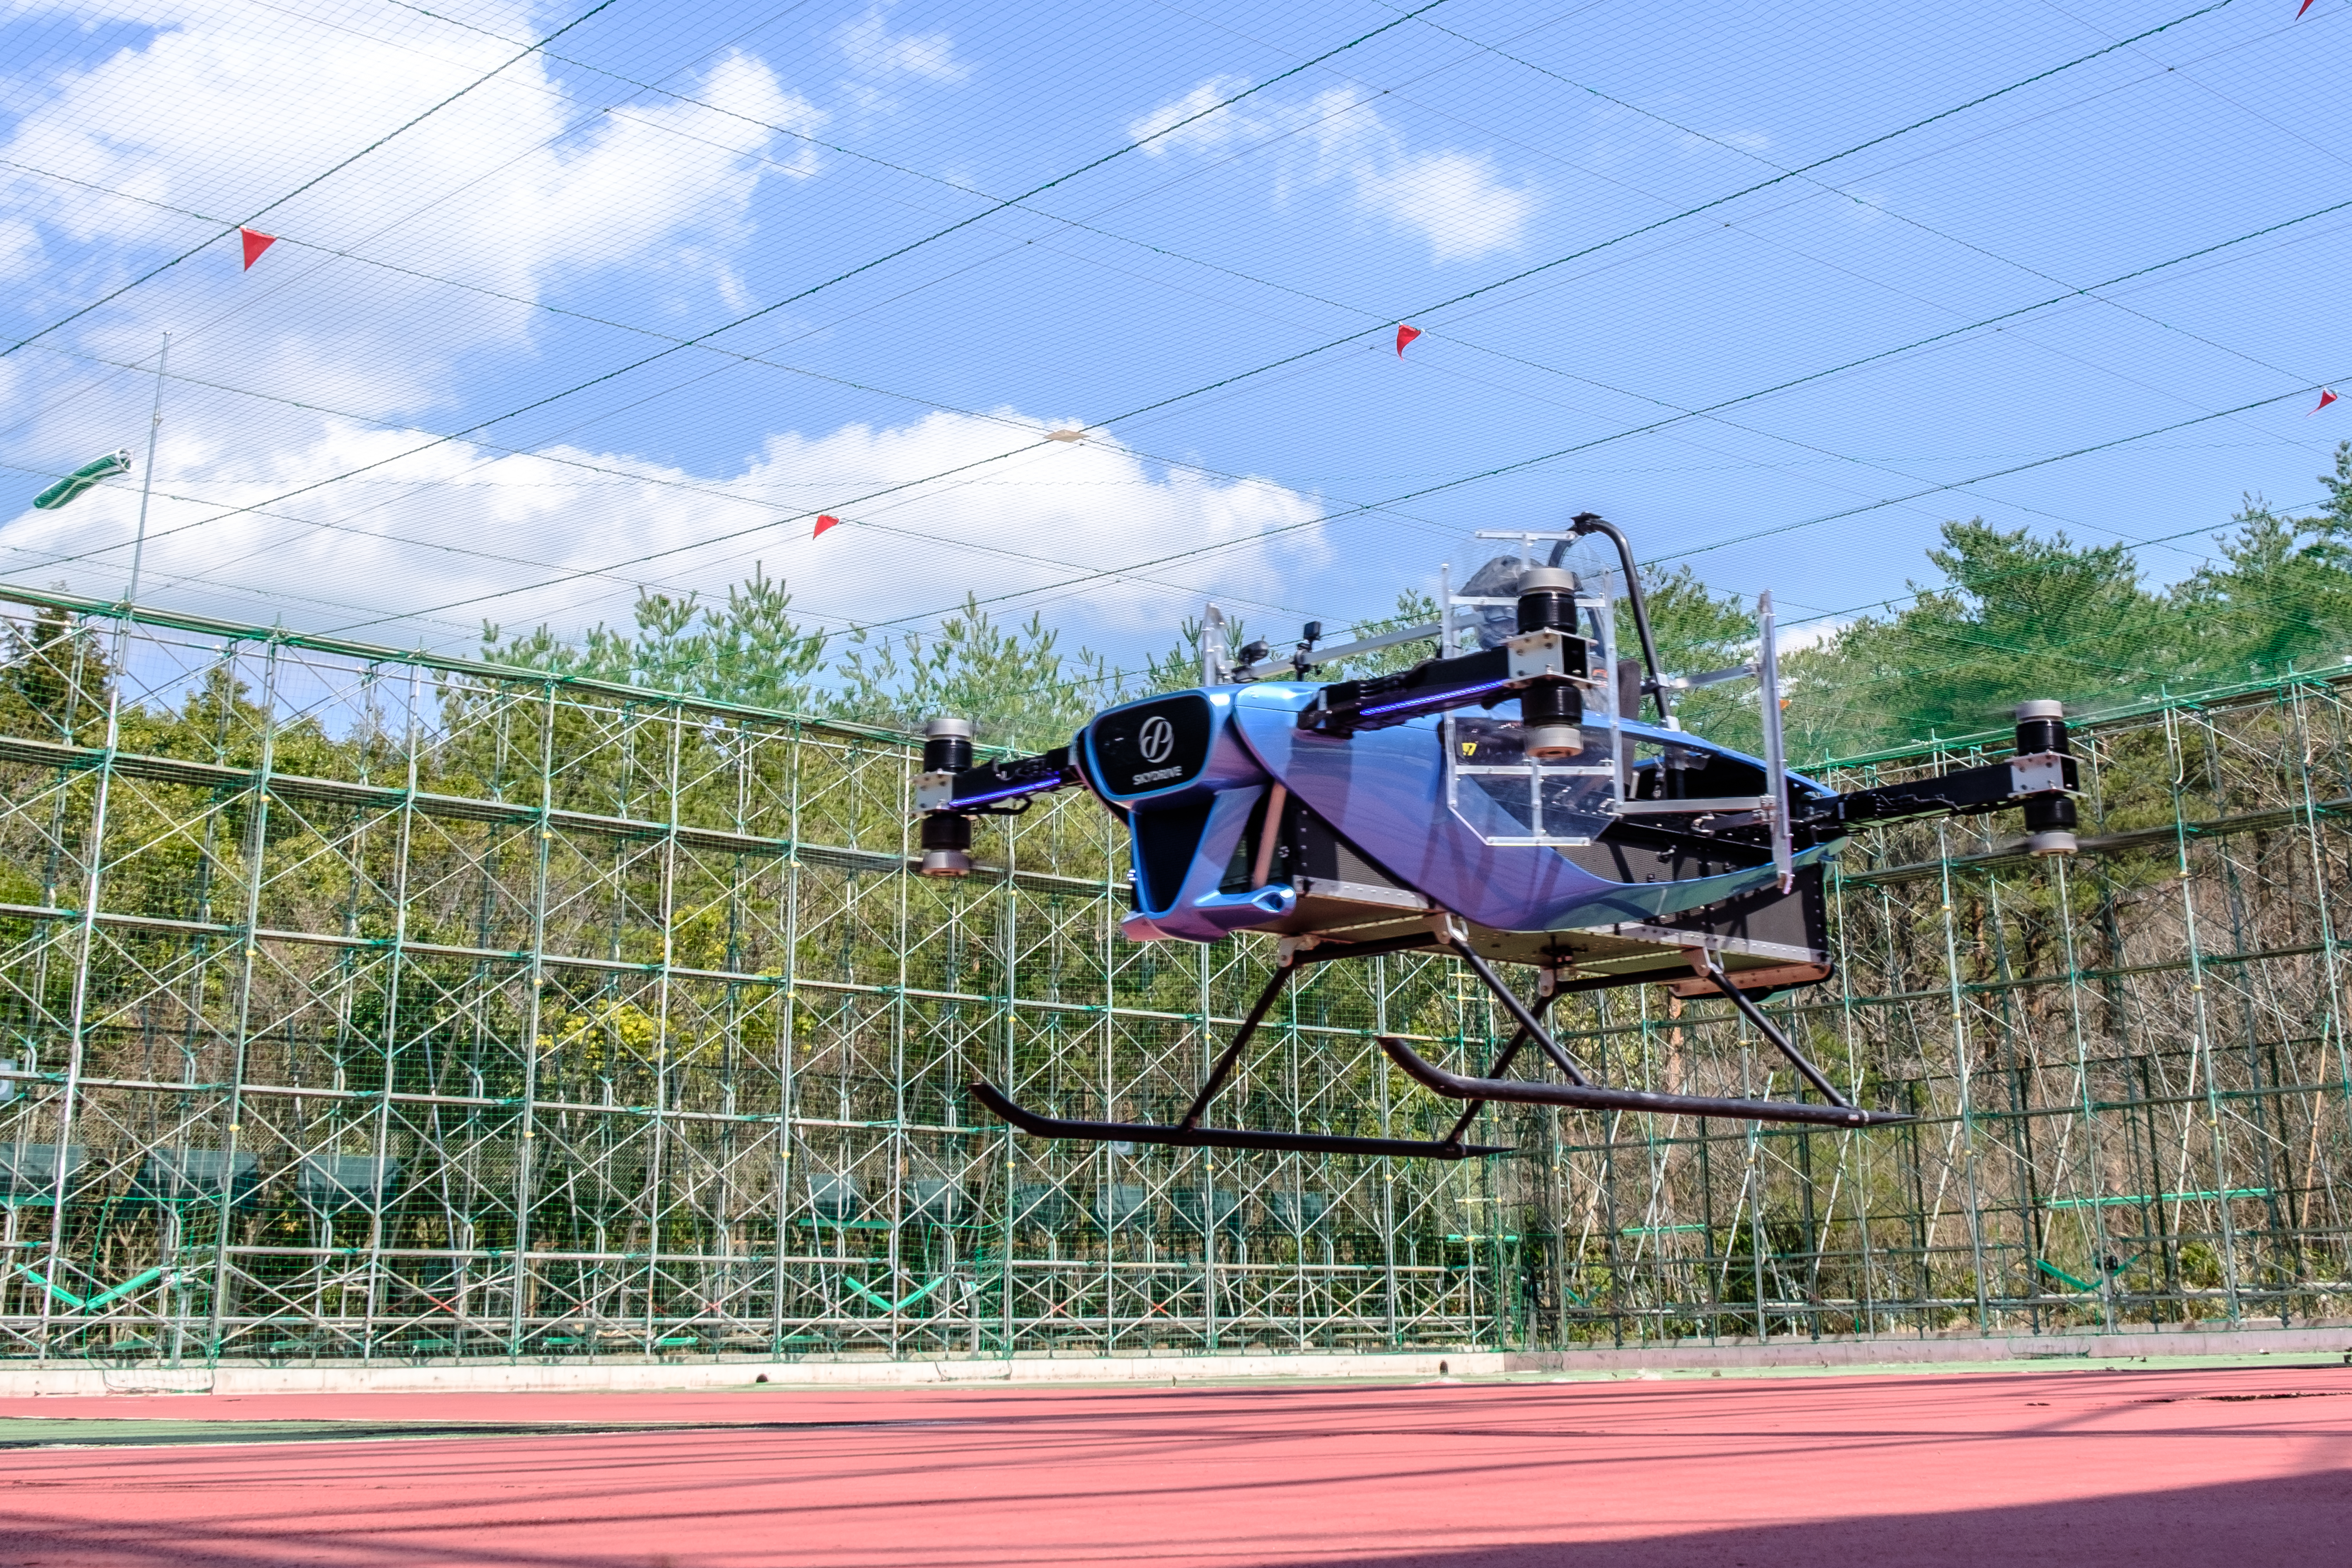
1187, 1132
680, 944
1705, 962
1582, 1093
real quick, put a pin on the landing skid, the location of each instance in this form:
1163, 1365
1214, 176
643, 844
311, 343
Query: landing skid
1592, 1097
1583, 1094
1219, 1137
1579, 1091
1188, 1132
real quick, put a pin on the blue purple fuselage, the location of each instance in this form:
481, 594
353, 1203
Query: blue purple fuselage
1384, 792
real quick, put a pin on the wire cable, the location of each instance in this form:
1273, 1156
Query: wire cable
1522, 464
312, 182
1483, 289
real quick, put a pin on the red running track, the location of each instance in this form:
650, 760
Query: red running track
2221, 1468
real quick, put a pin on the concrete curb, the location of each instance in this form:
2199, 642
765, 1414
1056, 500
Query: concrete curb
2327, 1344
582, 1377
2332, 1342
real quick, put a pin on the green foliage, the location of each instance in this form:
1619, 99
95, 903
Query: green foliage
2009, 616
2282, 594
1413, 608
1697, 629
751, 652
45, 661
1014, 683
2017, 617
1180, 666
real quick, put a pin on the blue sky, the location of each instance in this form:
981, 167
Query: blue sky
546, 326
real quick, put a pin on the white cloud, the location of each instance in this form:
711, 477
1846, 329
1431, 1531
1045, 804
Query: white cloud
1453, 198
511, 188
1458, 201
20, 248
456, 523
518, 190
872, 49
1207, 132
670, 171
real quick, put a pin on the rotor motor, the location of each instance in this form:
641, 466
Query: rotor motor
947, 834
2050, 819
1552, 714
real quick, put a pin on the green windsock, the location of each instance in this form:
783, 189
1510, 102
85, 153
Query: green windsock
83, 479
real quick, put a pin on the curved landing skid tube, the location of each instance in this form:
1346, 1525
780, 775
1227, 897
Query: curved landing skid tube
1583, 1094
1220, 1137
1592, 1097
1578, 1092
1188, 1133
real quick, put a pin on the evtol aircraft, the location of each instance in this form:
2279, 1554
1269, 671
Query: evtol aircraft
1503, 800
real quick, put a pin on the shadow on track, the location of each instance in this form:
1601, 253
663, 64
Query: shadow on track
2285, 1520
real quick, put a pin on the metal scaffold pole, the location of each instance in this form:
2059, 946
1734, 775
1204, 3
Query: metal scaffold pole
367, 1004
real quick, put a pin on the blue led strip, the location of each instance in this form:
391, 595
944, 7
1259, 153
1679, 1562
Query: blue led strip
1434, 697
1000, 794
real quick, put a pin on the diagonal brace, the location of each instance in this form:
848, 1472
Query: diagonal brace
1502, 1064
1224, 1066
1528, 1023
1704, 961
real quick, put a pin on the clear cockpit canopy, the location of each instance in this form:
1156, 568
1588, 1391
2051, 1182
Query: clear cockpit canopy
1493, 784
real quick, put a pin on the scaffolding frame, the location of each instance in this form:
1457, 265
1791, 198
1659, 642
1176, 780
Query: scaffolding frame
363, 1004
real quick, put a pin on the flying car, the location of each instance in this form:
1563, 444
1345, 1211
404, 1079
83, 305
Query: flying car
1504, 801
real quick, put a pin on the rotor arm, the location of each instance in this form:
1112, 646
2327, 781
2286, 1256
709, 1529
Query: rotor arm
952, 790
1531, 659
989, 789
2043, 778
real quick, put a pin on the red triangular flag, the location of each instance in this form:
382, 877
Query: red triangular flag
823, 523
255, 242
1404, 336
2326, 397
2301, 9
